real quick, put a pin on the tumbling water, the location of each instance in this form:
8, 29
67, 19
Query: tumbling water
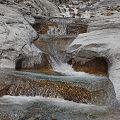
67, 70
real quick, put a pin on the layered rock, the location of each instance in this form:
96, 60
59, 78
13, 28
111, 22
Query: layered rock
11, 84
55, 34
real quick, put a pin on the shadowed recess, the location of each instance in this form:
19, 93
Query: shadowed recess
97, 65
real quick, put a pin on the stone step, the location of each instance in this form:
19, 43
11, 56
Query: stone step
54, 45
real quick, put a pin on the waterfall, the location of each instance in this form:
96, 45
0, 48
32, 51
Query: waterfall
67, 69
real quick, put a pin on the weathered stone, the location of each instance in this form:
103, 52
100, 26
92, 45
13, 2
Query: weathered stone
95, 65
104, 43
76, 29
32, 63
20, 85
17, 34
60, 26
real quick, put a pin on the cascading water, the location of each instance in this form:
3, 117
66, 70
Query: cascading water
61, 96
67, 69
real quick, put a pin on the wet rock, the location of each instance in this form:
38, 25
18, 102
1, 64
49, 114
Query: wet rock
104, 43
4, 87
55, 34
60, 26
101, 94
94, 65
54, 46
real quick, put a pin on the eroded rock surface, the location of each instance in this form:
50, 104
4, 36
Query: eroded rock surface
104, 43
102, 39
17, 35
99, 93
33, 7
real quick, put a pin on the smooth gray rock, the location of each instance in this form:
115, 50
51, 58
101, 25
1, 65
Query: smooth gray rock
15, 34
105, 43
102, 39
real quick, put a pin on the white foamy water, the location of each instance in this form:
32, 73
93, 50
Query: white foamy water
58, 102
68, 70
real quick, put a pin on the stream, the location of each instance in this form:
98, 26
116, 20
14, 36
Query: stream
49, 108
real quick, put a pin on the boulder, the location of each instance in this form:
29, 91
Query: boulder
103, 43
17, 35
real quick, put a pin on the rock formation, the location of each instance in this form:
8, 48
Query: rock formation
102, 39
26, 32
17, 34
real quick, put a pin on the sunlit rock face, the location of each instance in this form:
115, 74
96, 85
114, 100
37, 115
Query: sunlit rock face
99, 93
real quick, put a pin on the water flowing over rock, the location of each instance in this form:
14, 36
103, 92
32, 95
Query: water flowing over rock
105, 43
55, 34
12, 84
102, 39
34, 36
